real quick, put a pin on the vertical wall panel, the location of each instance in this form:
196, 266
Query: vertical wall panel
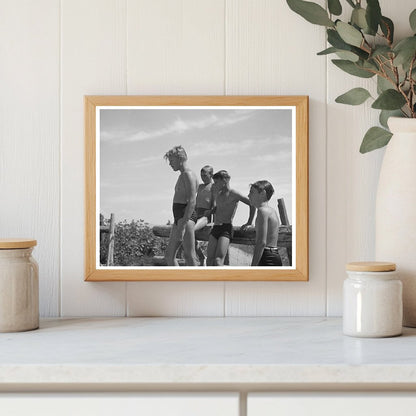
175, 48
93, 62
272, 51
29, 135
352, 177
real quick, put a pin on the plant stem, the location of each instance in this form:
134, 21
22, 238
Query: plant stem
408, 102
366, 43
412, 86
384, 73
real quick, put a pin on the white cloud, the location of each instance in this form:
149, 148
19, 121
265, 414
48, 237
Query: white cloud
227, 148
178, 126
280, 157
129, 198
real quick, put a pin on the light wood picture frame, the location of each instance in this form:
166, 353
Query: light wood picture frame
129, 187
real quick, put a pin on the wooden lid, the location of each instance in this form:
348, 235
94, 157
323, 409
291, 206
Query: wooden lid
371, 266
10, 243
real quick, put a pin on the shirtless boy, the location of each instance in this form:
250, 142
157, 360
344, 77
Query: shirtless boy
204, 198
184, 200
226, 202
204, 206
267, 225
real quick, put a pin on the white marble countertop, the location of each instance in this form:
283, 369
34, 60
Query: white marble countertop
160, 352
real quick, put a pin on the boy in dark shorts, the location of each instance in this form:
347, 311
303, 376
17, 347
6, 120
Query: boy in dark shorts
226, 202
267, 225
204, 198
184, 200
204, 205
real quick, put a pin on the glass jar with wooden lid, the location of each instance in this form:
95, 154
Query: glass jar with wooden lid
372, 300
19, 286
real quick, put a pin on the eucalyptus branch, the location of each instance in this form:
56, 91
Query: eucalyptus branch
406, 97
395, 71
386, 61
412, 86
384, 73
413, 89
380, 64
372, 54
371, 70
387, 38
366, 43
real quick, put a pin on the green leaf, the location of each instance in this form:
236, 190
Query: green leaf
355, 96
383, 84
370, 65
327, 51
375, 138
387, 27
405, 50
373, 15
352, 68
412, 20
311, 12
347, 55
349, 34
386, 114
358, 18
381, 50
334, 7
336, 41
389, 100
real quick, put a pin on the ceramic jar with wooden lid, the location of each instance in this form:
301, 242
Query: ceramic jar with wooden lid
372, 300
19, 286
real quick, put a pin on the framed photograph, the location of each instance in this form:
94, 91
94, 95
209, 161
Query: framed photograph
196, 188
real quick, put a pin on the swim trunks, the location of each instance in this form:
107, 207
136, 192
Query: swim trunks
270, 257
222, 230
199, 213
194, 217
179, 211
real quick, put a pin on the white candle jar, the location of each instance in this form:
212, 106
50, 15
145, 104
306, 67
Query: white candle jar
372, 300
19, 286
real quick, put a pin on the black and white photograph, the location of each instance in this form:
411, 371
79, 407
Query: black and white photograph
195, 186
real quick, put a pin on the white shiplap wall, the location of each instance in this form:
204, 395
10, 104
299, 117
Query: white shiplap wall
30, 134
55, 52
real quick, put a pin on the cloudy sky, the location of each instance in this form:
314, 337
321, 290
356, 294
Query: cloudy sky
136, 182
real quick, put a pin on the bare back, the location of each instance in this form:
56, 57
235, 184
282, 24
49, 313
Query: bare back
180, 195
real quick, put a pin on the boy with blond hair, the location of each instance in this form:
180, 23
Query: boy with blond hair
184, 200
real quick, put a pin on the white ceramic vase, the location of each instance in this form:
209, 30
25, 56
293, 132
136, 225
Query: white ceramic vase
396, 210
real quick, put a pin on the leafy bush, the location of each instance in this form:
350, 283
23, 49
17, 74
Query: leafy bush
134, 244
